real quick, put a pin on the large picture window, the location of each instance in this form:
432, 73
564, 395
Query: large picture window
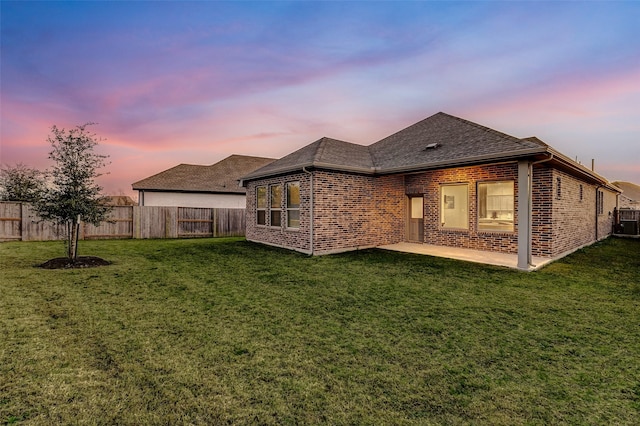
261, 205
276, 205
495, 206
293, 205
454, 207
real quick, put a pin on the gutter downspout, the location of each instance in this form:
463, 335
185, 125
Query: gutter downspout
304, 169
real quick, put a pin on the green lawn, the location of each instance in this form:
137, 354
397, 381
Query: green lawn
226, 331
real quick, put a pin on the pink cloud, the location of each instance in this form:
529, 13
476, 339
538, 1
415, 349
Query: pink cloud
566, 99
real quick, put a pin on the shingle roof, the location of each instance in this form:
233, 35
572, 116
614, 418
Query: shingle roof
219, 177
324, 152
457, 142
119, 200
629, 190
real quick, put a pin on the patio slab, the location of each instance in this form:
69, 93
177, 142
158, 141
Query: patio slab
469, 255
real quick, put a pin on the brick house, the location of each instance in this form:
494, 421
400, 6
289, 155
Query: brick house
442, 181
630, 197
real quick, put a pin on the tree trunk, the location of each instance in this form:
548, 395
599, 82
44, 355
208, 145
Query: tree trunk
74, 233
69, 239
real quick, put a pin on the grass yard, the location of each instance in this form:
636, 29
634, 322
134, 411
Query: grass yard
228, 332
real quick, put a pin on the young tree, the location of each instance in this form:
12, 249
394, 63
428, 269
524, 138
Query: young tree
21, 183
73, 195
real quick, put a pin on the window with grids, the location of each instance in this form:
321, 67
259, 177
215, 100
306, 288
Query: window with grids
495, 206
276, 205
293, 205
454, 207
600, 202
261, 205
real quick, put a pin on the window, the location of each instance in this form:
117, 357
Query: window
600, 202
454, 208
293, 205
558, 188
261, 205
417, 207
495, 206
581, 192
276, 205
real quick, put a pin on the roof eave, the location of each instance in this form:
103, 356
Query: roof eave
464, 162
582, 170
301, 167
192, 191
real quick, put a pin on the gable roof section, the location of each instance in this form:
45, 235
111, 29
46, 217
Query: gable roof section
221, 177
323, 153
629, 190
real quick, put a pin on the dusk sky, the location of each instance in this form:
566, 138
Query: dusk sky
194, 82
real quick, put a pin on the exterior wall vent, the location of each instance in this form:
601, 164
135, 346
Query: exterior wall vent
431, 146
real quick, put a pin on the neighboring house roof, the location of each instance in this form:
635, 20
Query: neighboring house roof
629, 190
441, 140
119, 200
221, 177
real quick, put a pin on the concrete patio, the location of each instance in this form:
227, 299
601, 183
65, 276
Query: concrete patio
469, 255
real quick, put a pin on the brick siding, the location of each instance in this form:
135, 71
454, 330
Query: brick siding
350, 211
561, 220
355, 211
296, 239
542, 212
431, 181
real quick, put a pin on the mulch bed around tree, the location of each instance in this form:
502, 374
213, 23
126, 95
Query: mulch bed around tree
81, 262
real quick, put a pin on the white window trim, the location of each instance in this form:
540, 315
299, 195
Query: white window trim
513, 214
272, 208
288, 209
441, 203
265, 209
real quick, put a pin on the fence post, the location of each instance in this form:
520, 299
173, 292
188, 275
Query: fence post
135, 217
214, 223
23, 222
167, 220
171, 222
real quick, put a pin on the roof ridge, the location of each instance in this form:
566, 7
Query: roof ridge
320, 150
483, 128
405, 128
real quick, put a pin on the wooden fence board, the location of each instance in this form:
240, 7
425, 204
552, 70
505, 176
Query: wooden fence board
10, 221
19, 222
195, 222
36, 229
230, 222
119, 225
629, 214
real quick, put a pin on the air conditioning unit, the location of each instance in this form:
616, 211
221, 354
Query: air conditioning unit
629, 227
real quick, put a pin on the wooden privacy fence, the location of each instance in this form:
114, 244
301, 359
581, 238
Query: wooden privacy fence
18, 222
